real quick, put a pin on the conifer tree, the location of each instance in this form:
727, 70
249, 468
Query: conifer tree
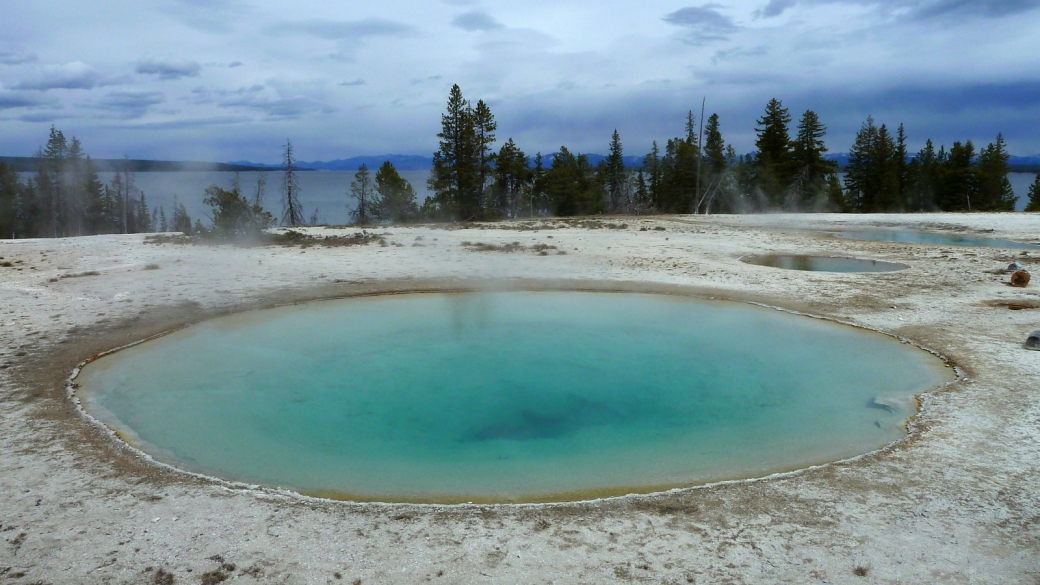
451, 178
774, 150
539, 202
902, 169
807, 156
395, 200
484, 127
714, 147
144, 218
616, 179
958, 179
9, 195
995, 193
1034, 195
513, 177
163, 226
652, 165
361, 191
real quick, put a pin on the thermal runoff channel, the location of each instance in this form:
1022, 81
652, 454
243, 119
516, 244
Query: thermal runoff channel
521, 396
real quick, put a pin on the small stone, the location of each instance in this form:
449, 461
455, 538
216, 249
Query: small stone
1033, 341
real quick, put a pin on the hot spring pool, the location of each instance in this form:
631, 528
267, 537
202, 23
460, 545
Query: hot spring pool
520, 396
917, 237
823, 263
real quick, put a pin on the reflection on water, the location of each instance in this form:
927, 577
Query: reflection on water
917, 237
824, 263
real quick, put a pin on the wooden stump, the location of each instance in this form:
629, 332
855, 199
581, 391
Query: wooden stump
1020, 278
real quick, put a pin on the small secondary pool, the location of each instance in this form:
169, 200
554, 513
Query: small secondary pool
917, 237
505, 397
823, 263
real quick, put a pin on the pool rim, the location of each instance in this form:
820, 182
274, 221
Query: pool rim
120, 441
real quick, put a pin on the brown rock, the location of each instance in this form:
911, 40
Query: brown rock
1020, 278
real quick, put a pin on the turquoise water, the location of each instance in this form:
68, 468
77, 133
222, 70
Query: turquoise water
916, 237
508, 396
824, 263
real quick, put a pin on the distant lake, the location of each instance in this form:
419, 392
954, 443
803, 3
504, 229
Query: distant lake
324, 190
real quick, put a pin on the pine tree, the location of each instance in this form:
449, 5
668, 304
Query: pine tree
958, 178
180, 221
395, 200
616, 179
714, 147
484, 127
163, 226
995, 193
642, 197
902, 170
9, 195
513, 176
923, 179
1034, 195
144, 218
774, 151
361, 191
871, 177
652, 166
572, 185
452, 179
292, 209
810, 182
716, 181
235, 216
95, 219
539, 202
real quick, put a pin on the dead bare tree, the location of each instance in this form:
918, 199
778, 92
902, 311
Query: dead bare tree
292, 210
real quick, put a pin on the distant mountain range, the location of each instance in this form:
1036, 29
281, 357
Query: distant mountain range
402, 162
421, 163
27, 164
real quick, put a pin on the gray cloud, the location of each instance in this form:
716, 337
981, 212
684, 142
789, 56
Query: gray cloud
211, 16
343, 30
776, 7
705, 23
14, 99
168, 70
76, 75
45, 116
129, 105
16, 57
920, 10
234, 64
190, 123
738, 53
354, 83
981, 8
476, 20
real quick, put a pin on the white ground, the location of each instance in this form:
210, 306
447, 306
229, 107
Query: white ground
958, 502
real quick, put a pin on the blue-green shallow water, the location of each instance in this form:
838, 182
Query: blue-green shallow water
916, 237
508, 396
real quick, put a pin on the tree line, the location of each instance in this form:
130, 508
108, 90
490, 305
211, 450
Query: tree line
695, 172
698, 172
65, 198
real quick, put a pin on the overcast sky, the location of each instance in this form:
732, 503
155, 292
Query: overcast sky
232, 79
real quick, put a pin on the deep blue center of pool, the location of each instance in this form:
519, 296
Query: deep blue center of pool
508, 396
